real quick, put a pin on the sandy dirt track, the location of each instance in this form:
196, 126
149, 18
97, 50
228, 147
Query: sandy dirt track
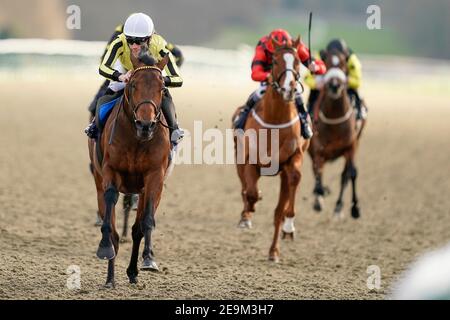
48, 205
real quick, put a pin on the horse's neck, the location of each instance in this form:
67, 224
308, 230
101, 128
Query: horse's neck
275, 109
336, 107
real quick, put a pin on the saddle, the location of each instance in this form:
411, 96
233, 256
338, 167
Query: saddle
104, 107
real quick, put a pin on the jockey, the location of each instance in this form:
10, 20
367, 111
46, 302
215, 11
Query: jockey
354, 77
176, 52
117, 67
261, 66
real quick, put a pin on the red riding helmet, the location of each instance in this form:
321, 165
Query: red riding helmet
279, 36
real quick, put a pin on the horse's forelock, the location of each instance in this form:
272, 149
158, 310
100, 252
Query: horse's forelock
146, 59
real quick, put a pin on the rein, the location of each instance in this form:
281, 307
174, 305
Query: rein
136, 107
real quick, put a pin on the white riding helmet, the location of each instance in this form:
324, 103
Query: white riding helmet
138, 25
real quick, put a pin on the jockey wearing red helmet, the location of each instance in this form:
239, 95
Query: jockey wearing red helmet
261, 66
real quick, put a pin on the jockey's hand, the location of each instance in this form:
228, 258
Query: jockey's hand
125, 77
269, 79
313, 67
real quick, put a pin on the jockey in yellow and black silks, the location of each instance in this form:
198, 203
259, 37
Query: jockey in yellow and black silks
354, 78
116, 66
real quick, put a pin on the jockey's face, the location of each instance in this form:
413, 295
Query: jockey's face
136, 46
135, 49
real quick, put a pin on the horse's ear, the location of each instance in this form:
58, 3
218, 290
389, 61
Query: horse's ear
164, 61
297, 41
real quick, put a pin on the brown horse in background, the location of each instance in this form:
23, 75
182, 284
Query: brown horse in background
275, 112
335, 132
135, 147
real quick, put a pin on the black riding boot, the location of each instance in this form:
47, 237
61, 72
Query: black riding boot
313, 95
168, 109
307, 132
361, 110
239, 122
91, 130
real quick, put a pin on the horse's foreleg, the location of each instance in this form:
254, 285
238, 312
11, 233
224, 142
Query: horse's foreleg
250, 194
100, 199
152, 194
294, 177
106, 249
127, 204
344, 181
353, 176
110, 283
109, 244
274, 252
319, 192
132, 270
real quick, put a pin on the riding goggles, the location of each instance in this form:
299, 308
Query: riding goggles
136, 40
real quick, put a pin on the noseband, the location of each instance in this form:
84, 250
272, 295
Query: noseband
276, 83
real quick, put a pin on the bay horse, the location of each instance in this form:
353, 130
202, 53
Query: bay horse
275, 112
335, 132
135, 147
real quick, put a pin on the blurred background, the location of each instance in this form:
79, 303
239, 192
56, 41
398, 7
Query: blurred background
408, 26
49, 75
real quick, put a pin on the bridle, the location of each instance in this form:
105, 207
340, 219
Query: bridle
135, 108
276, 80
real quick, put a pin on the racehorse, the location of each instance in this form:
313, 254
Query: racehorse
275, 112
335, 132
135, 148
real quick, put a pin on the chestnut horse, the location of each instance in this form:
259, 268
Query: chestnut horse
275, 112
335, 132
135, 147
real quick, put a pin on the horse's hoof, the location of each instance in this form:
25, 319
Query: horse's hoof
99, 221
132, 276
338, 208
106, 253
133, 279
274, 258
287, 235
245, 224
149, 265
318, 204
355, 212
109, 285
124, 239
337, 217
